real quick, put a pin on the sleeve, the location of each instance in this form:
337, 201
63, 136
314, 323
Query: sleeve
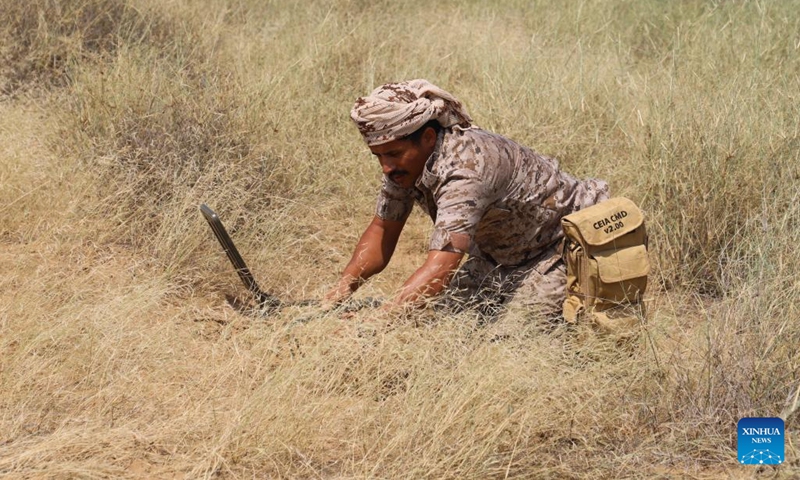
394, 202
462, 199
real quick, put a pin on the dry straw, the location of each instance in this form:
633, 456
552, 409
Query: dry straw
121, 357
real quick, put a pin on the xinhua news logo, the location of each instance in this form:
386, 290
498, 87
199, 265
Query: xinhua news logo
760, 441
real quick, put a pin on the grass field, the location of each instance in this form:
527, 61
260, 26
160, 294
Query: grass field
121, 358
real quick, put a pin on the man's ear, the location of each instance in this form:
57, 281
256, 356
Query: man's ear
429, 138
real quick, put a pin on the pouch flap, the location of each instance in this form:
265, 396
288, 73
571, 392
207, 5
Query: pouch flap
606, 221
625, 264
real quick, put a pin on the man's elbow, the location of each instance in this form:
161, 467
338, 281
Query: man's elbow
378, 268
443, 265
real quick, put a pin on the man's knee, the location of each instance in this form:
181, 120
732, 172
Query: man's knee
543, 295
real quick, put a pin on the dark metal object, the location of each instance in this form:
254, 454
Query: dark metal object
265, 300
266, 303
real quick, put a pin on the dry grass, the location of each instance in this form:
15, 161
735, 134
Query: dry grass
121, 358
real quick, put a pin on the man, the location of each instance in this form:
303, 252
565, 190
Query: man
489, 198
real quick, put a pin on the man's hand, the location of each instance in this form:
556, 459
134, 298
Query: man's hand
344, 288
371, 255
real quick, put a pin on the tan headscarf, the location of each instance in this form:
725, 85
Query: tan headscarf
395, 110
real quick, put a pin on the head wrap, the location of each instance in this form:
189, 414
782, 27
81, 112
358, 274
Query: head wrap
395, 110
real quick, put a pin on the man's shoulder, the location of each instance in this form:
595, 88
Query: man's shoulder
460, 150
476, 141
465, 154
474, 149
471, 134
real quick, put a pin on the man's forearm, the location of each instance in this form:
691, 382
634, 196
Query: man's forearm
362, 266
430, 279
371, 255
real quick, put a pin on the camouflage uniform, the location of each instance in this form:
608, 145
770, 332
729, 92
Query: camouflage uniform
507, 201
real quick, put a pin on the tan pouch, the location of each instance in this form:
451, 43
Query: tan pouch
605, 249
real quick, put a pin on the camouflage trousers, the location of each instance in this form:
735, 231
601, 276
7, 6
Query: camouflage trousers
492, 289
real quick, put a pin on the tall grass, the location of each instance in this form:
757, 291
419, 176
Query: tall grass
122, 359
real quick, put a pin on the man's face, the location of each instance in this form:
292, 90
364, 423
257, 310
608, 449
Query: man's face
403, 160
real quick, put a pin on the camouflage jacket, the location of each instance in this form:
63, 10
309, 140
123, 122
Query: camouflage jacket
507, 199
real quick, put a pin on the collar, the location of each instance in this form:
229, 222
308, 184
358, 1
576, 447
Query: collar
428, 178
